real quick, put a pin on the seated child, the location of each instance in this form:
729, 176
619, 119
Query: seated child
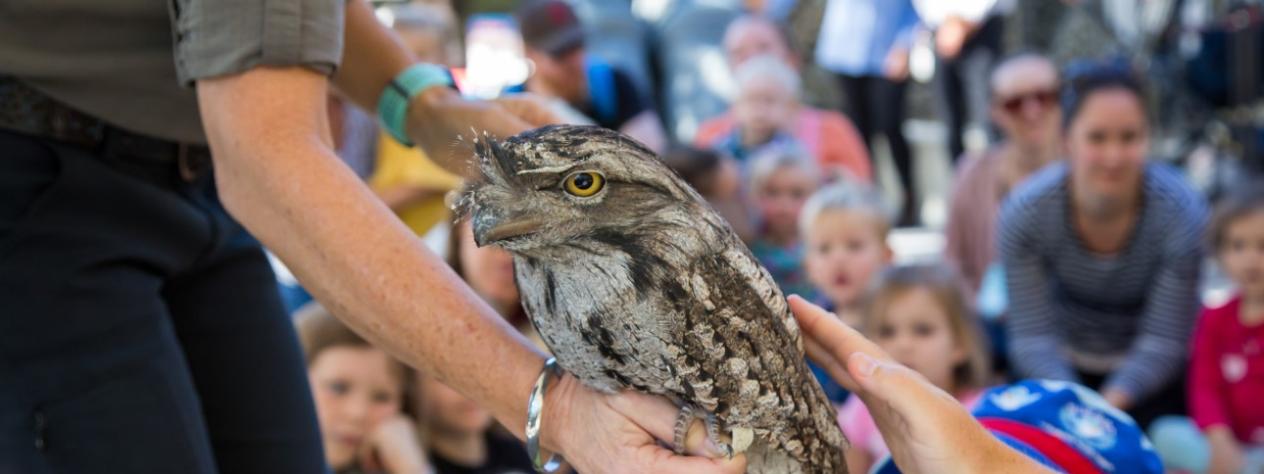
844, 229
767, 111
781, 179
920, 316
359, 392
766, 100
1226, 375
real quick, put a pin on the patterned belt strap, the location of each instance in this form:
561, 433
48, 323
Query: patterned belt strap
27, 110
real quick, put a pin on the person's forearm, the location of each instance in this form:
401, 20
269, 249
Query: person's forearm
279, 177
996, 456
1158, 352
1036, 350
373, 56
1220, 433
1151, 364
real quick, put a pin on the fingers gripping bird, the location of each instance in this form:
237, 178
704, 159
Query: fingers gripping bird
635, 283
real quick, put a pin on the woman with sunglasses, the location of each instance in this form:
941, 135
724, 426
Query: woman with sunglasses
1025, 108
1101, 255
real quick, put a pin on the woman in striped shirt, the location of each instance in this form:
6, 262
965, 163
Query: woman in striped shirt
1102, 256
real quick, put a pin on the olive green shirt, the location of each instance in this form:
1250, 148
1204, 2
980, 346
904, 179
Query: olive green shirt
133, 63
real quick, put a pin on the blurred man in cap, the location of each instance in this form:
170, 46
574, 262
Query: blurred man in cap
554, 39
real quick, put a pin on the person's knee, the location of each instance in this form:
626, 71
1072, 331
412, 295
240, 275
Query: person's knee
1180, 444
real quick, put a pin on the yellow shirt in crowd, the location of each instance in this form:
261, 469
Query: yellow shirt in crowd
398, 165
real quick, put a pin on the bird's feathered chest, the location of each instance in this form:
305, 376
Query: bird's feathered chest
659, 309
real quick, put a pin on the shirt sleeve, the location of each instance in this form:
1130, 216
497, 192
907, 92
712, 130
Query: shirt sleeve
1160, 349
1035, 341
221, 37
1206, 386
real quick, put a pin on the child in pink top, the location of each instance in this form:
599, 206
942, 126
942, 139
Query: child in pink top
1226, 382
919, 315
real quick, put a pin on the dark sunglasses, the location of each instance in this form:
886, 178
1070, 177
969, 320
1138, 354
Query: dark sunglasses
1014, 104
566, 50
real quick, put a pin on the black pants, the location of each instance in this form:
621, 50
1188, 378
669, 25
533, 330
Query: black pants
1170, 400
876, 105
140, 327
961, 83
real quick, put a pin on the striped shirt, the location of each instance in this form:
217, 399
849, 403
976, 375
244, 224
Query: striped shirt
1129, 315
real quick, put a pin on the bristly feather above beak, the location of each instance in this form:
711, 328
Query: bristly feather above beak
492, 225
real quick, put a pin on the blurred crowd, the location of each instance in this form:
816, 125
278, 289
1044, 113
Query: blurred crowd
1104, 156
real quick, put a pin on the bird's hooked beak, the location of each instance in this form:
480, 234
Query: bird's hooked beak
492, 227
493, 224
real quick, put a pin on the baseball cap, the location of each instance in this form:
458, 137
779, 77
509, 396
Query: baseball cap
550, 26
1065, 426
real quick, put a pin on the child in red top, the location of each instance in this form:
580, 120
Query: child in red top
1226, 383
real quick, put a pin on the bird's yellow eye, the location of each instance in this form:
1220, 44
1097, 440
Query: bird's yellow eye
584, 183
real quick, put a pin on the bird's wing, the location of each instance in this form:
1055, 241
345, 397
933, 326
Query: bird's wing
744, 358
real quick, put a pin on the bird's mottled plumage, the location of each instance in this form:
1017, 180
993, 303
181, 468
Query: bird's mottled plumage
641, 285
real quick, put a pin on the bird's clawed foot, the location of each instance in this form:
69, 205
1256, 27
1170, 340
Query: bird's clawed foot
684, 420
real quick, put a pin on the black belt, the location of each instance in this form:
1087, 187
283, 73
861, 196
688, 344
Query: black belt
26, 110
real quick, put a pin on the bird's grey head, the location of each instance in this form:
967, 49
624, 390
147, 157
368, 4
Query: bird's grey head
563, 185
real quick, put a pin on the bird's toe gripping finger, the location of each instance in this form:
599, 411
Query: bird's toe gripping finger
683, 420
713, 434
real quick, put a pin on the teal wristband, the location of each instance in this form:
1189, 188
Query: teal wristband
392, 106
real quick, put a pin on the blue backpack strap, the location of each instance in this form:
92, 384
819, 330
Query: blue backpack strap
601, 89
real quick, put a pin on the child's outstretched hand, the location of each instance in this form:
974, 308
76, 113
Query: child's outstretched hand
925, 428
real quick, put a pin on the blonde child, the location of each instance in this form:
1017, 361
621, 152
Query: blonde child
781, 178
919, 315
359, 392
845, 229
